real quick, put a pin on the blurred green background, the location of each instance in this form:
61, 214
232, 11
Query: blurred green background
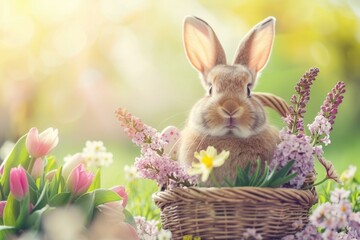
69, 64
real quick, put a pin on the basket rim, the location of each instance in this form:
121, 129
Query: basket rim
236, 194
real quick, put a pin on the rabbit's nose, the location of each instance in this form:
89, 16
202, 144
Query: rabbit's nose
230, 108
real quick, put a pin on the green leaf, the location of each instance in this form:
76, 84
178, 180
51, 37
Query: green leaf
24, 212
11, 211
129, 218
255, 176
270, 177
247, 168
34, 220
86, 204
43, 199
18, 156
34, 191
227, 181
96, 181
50, 164
280, 181
31, 182
5, 231
242, 178
104, 195
56, 184
285, 170
265, 178
60, 199
262, 178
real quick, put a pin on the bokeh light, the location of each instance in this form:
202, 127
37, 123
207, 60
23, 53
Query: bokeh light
69, 64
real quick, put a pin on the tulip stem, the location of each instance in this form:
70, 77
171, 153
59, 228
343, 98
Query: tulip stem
2, 192
31, 165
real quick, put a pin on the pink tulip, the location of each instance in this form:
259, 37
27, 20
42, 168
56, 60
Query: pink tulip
39, 145
120, 190
19, 186
2, 168
2, 207
79, 180
37, 169
72, 162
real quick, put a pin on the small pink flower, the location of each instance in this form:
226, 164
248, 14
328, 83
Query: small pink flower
79, 180
2, 168
37, 169
2, 207
19, 186
39, 145
120, 190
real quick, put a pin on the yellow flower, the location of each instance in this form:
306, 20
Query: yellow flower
348, 174
207, 161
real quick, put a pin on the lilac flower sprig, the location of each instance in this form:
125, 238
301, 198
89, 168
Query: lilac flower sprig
141, 134
167, 172
295, 145
298, 148
323, 124
294, 120
154, 163
324, 121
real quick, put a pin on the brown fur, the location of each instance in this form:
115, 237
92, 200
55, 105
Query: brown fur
228, 117
241, 150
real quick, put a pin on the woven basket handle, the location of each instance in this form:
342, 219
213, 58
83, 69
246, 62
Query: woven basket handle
274, 102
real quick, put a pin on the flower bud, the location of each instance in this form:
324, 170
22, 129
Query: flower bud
50, 175
39, 145
120, 190
19, 186
79, 180
2, 207
37, 169
71, 162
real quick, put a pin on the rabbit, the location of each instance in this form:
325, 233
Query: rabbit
230, 116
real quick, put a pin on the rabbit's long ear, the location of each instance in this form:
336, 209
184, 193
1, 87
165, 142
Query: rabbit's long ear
254, 50
202, 47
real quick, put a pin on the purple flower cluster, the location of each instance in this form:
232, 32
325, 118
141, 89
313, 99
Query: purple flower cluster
154, 163
324, 121
329, 108
298, 148
319, 130
310, 232
299, 101
335, 216
148, 230
321, 127
334, 219
167, 172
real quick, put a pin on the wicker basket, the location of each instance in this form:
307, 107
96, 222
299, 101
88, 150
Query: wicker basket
225, 213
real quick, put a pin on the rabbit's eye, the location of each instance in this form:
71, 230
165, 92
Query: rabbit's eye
210, 90
248, 91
